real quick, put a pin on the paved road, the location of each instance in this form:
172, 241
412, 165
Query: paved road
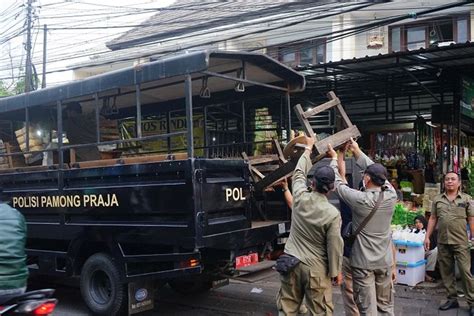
258, 299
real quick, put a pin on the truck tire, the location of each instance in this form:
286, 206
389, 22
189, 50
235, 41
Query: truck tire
101, 288
191, 285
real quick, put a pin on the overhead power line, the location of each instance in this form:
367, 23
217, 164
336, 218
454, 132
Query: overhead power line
331, 36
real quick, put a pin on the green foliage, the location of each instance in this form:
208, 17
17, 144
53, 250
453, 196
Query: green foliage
3, 90
19, 86
404, 217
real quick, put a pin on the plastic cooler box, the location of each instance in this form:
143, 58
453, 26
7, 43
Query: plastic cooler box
409, 251
411, 273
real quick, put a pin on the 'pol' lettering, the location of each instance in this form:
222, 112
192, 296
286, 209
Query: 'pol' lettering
235, 193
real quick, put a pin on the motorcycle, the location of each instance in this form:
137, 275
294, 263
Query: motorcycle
39, 302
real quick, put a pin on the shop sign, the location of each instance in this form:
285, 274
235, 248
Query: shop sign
158, 126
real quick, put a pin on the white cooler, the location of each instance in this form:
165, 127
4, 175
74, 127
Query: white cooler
411, 273
408, 251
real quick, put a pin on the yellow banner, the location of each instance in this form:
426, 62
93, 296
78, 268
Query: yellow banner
159, 126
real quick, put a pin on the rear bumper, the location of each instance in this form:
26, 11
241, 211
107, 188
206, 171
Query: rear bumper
167, 274
258, 234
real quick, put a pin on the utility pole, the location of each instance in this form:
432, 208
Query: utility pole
45, 32
28, 47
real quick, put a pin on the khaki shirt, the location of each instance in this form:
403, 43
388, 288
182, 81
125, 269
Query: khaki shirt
315, 236
372, 248
452, 217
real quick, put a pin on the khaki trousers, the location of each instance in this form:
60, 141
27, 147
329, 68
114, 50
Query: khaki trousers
303, 281
373, 291
446, 256
350, 307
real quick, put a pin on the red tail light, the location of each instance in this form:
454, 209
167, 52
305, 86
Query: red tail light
44, 309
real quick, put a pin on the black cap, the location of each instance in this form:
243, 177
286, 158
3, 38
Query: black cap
377, 173
324, 174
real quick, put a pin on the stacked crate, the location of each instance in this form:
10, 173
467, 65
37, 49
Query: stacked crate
109, 130
36, 144
4, 160
410, 258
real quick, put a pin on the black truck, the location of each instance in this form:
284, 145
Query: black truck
163, 205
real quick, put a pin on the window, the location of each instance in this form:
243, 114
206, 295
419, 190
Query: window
429, 33
462, 31
321, 53
303, 54
288, 57
441, 32
306, 56
395, 40
416, 37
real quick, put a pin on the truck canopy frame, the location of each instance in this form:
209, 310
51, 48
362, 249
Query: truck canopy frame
164, 80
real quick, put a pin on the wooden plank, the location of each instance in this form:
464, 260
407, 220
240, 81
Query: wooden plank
337, 139
253, 175
256, 172
109, 137
277, 175
308, 130
153, 158
332, 96
321, 108
95, 163
269, 156
273, 156
72, 156
31, 168
267, 168
259, 161
9, 151
108, 123
279, 150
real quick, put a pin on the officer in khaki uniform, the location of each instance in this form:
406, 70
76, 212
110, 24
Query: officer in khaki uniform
451, 211
315, 239
371, 253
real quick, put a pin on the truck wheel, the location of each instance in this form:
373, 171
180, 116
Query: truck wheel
100, 286
191, 285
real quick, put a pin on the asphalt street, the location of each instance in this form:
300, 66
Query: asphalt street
258, 298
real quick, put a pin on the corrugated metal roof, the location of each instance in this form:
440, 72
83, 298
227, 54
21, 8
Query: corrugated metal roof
186, 16
193, 37
433, 58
